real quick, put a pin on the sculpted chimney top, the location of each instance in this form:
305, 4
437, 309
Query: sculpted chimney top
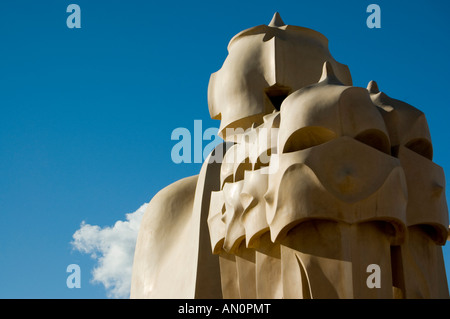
276, 21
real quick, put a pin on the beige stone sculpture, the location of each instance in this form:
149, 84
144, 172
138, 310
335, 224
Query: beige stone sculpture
325, 190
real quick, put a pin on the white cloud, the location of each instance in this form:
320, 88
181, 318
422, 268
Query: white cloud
113, 249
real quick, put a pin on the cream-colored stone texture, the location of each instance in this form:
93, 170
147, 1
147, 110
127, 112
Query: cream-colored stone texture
319, 182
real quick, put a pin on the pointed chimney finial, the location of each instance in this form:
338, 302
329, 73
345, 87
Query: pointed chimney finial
328, 74
372, 87
276, 21
327, 71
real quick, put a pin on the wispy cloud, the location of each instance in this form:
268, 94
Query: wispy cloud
113, 249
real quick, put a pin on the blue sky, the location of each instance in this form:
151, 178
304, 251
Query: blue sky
87, 114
